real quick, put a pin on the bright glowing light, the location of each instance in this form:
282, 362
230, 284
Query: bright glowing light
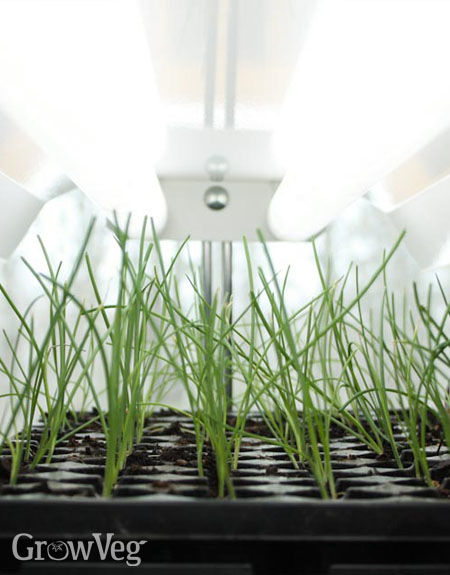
370, 88
77, 76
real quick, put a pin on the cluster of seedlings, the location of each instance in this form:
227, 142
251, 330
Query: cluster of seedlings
336, 402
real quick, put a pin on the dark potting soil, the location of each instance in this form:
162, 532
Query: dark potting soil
165, 465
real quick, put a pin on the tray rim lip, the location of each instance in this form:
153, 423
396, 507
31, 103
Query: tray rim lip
388, 502
256, 520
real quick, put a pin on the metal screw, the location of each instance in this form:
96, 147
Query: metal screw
216, 197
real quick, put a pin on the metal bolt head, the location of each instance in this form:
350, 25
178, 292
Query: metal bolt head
216, 197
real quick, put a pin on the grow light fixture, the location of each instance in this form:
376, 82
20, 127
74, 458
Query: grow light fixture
416, 196
24, 162
419, 172
19, 209
77, 77
426, 217
369, 90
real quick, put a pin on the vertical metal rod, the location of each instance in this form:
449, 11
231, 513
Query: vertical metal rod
227, 283
207, 271
210, 62
231, 69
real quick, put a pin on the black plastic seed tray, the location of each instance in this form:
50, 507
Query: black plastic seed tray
384, 516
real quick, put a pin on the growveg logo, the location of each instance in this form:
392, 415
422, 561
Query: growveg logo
107, 548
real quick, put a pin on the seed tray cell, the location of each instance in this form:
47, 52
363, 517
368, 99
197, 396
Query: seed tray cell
164, 463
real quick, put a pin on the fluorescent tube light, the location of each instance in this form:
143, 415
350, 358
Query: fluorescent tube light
371, 87
18, 210
77, 76
428, 166
425, 217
